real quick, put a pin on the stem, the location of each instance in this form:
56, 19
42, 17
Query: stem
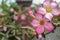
23, 35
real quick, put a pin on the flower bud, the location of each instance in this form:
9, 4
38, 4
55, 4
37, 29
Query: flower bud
23, 17
12, 10
30, 12
5, 28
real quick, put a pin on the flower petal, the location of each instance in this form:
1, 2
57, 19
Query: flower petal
41, 10
39, 29
35, 23
38, 16
30, 12
49, 16
46, 3
54, 4
55, 12
49, 27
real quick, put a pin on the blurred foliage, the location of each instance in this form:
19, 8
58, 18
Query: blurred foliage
56, 21
13, 31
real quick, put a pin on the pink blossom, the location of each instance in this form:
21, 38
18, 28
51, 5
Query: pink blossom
40, 24
15, 17
23, 17
30, 12
49, 9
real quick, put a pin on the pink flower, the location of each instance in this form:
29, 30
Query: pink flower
15, 17
30, 12
49, 9
41, 24
23, 17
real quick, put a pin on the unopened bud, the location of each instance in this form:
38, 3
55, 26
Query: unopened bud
5, 28
23, 17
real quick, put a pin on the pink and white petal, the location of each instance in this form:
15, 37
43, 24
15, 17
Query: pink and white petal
55, 12
35, 23
49, 16
30, 12
38, 16
54, 4
39, 29
41, 10
49, 27
46, 19
47, 3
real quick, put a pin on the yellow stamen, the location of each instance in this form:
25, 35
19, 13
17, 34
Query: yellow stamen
48, 9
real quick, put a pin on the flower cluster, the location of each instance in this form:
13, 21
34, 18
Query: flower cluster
41, 21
